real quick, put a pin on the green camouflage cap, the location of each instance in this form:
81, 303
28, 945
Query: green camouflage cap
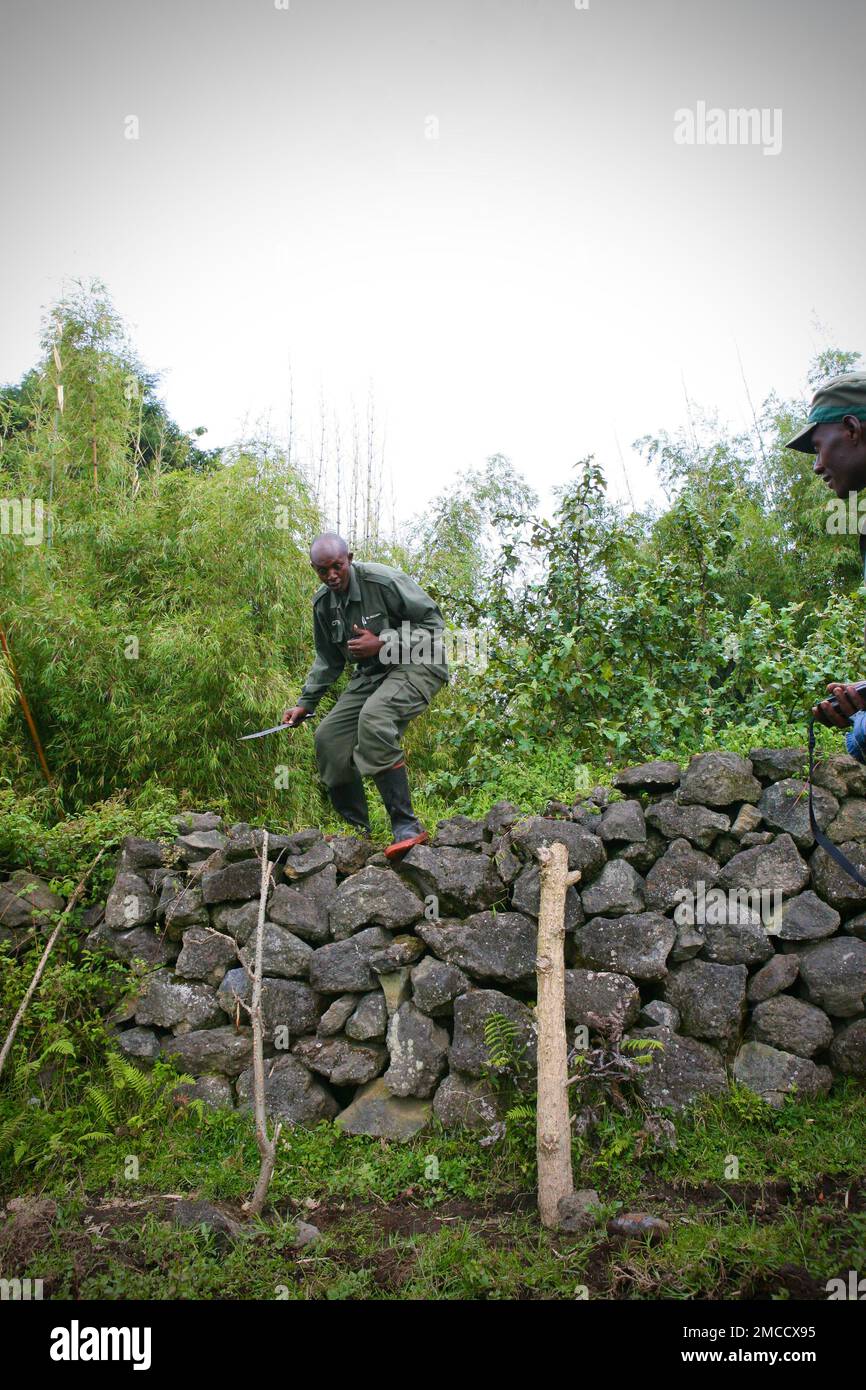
841, 396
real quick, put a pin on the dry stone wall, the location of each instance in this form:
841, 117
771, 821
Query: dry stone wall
705, 918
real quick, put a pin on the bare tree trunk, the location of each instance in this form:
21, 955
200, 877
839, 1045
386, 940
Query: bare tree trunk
553, 1127
93, 442
356, 471
338, 468
267, 1147
368, 504
380, 482
55, 434
290, 440
320, 475
137, 458
31, 988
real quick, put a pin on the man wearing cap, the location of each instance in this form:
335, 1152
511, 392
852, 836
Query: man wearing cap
391, 631
836, 434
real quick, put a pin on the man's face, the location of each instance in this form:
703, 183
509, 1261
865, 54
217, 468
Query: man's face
840, 455
332, 566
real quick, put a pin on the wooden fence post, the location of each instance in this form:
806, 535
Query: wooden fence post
553, 1126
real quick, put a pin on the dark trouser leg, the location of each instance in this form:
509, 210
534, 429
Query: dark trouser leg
383, 721
335, 741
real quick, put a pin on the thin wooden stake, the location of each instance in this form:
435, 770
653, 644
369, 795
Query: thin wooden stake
267, 1147
31, 988
553, 1125
4, 643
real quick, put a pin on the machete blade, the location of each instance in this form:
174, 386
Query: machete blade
275, 730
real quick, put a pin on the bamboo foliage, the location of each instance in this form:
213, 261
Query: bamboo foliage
171, 612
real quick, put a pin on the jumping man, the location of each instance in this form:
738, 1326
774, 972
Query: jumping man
382, 621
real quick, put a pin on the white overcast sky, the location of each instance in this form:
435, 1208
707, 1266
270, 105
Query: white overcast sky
538, 281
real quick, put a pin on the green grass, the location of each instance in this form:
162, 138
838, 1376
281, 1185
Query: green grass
720, 1253
390, 1230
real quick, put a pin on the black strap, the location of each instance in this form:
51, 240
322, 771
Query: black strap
820, 838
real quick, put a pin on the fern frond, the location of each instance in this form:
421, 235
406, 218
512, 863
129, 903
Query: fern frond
520, 1112
103, 1102
9, 1130
500, 1036
638, 1045
142, 1083
116, 1070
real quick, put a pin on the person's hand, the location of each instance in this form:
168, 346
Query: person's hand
296, 715
850, 701
365, 643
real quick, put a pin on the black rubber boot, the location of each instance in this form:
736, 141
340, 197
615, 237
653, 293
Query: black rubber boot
405, 827
350, 801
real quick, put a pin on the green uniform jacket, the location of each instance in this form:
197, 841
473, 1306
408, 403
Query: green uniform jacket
397, 609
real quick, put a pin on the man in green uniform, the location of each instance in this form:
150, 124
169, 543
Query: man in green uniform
836, 434
382, 622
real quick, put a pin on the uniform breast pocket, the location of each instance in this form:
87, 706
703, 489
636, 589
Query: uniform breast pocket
375, 622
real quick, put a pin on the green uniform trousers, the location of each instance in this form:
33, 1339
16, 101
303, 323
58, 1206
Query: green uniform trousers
362, 732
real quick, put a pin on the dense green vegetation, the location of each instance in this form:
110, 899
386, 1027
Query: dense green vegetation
167, 611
